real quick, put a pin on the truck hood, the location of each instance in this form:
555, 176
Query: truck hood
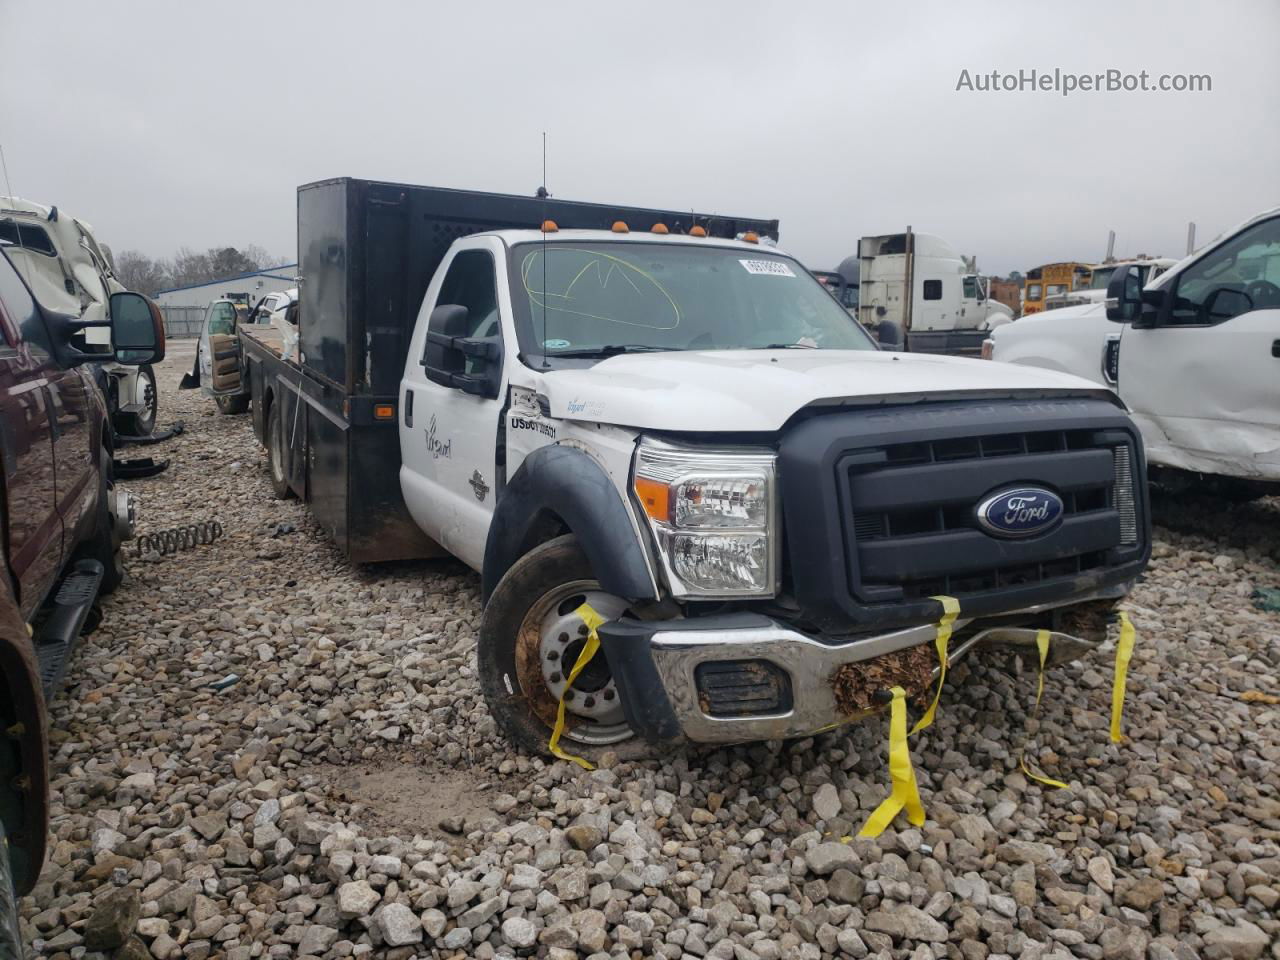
760, 390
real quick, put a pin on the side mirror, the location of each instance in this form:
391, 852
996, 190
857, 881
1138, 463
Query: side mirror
1124, 295
137, 329
446, 352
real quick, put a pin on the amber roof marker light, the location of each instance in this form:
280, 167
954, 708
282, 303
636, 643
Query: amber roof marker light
697, 231
549, 226
620, 227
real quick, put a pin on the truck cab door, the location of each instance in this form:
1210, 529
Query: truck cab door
218, 354
449, 431
931, 309
1200, 373
26, 443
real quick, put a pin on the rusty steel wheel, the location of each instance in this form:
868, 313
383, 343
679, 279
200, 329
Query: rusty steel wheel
530, 638
551, 637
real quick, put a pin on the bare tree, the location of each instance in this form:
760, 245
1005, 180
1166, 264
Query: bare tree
140, 273
261, 257
188, 267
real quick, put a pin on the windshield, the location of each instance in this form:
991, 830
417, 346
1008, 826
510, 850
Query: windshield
1101, 277
598, 298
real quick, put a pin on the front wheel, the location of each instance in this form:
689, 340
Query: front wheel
142, 423
114, 523
232, 403
530, 638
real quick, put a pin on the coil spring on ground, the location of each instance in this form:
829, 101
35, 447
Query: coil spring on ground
165, 542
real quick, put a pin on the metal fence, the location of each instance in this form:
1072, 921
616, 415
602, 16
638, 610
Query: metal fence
182, 322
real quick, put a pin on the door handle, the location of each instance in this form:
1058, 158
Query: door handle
1275, 348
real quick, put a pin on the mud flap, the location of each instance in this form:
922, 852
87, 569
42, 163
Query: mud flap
138, 469
177, 428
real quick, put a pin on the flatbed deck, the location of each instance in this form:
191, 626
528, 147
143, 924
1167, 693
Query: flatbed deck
267, 335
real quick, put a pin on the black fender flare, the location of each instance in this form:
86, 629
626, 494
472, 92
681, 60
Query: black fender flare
565, 482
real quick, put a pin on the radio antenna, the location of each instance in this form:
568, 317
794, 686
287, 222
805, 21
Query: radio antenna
544, 194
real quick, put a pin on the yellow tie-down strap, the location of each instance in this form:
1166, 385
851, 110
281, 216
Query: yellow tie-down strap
1042, 644
593, 621
1124, 652
905, 793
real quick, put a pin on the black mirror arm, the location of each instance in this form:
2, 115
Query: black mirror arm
64, 326
482, 348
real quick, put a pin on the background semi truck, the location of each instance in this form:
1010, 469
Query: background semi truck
639, 429
914, 292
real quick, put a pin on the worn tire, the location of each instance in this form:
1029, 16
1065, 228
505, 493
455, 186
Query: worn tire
141, 424
232, 403
274, 442
533, 577
10, 939
103, 546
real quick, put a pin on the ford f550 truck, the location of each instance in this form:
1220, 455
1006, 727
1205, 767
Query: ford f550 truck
643, 431
1193, 351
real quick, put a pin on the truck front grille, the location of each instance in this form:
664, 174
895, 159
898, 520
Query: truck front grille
914, 530
890, 519
1125, 501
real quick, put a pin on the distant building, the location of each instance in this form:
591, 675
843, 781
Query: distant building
249, 287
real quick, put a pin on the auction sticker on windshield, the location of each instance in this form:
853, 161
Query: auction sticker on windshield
768, 268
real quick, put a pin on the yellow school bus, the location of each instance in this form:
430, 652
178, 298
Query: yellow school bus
1052, 278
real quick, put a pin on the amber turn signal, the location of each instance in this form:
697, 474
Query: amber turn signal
655, 497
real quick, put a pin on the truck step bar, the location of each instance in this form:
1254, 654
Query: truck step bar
55, 640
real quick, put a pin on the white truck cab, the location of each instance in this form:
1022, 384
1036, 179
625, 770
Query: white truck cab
1193, 353
653, 426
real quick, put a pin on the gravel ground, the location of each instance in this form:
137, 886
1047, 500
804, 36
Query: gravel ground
349, 795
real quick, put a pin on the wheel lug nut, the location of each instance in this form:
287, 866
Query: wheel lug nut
582, 630
553, 655
568, 694
608, 694
555, 677
564, 638
589, 702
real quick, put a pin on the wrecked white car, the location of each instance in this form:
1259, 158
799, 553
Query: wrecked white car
70, 272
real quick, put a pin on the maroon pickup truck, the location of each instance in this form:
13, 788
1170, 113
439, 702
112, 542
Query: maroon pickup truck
62, 522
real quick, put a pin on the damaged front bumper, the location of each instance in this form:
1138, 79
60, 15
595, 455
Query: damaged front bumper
743, 676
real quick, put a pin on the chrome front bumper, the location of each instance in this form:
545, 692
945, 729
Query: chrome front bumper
676, 649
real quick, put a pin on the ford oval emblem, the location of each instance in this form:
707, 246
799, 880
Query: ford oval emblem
1020, 512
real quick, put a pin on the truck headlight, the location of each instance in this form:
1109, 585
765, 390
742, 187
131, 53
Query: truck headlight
713, 514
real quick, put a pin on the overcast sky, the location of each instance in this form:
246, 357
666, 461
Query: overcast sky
167, 124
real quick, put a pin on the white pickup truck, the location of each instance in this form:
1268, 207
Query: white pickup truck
1193, 353
686, 436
